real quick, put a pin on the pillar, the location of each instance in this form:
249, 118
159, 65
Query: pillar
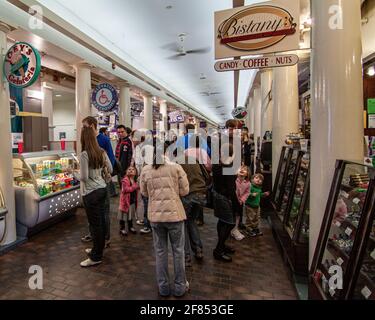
47, 109
337, 100
147, 111
267, 108
83, 95
257, 103
164, 113
6, 165
285, 110
251, 115
125, 112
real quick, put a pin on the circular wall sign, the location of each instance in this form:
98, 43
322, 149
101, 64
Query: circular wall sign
104, 97
22, 65
239, 113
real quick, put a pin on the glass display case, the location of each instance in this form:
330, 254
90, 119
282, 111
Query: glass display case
3, 212
346, 241
280, 176
287, 190
45, 187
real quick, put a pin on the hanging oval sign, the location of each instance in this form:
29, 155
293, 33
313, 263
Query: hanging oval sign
239, 113
104, 97
256, 28
22, 65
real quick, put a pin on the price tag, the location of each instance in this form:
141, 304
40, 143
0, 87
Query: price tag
332, 292
372, 255
338, 224
344, 194
366, 292
339, 261
356, 201
348, 231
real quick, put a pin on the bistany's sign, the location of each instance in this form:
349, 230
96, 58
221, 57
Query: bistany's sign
263, 28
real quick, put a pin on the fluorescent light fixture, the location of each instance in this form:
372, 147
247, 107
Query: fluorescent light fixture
371, 71
58, 95
33, 94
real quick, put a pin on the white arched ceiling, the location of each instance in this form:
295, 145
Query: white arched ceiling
138, 31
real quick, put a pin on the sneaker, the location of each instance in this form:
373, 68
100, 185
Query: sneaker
236, 234
86, 238
258, 232
187, 289
252, 233
199, 254
123, 233
133, 231
188, 263
145, 230
140, 222
89, 263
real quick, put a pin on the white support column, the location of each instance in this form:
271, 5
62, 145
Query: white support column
147, 111
125, 105
257, 119
47, 109
337, 99
164, 112
251, 115
267, 105
83, 102
6, 165
285, 110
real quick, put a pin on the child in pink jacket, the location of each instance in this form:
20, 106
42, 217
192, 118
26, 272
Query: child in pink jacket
128, 201
243, 191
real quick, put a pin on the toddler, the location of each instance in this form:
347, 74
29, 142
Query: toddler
252, 208
128, 201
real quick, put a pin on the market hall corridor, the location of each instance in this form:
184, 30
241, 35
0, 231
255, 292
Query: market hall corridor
128, 270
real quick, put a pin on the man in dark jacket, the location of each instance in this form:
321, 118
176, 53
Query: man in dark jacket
195, 199
124, 151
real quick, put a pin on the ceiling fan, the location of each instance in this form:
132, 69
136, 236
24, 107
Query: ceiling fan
181, 50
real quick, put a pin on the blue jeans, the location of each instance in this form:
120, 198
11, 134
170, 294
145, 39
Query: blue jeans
146, 223
192, 203
175, 232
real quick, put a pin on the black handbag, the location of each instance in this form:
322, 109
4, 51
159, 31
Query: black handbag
209, 187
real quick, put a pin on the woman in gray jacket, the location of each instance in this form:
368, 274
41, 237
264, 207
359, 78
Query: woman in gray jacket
164, 183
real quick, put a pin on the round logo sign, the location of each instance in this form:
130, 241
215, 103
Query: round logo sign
104, 97
239, 113
22, 65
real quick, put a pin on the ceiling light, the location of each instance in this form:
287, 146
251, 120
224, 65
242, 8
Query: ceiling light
58, 95
371, 71
168, 7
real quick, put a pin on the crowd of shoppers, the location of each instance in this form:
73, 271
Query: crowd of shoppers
174, 187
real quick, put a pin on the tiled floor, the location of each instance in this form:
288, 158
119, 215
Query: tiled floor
127, 272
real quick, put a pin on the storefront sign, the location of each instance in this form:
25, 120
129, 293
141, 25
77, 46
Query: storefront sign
104, 97
257, 29
257, 63
22, 65
371, 106
176, 117
239, 113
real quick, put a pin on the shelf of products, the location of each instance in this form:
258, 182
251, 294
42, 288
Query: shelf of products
346, 236
45, 188
46, 173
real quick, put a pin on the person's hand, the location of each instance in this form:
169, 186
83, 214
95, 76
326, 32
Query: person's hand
254, 194
267, 193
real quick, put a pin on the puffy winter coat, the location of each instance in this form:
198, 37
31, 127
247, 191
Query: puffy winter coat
164, 187
126, 189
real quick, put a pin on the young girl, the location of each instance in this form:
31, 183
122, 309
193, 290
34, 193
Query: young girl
128, 201
242, 192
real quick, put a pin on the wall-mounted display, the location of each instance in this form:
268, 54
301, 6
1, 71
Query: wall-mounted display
45, 187
346, 244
